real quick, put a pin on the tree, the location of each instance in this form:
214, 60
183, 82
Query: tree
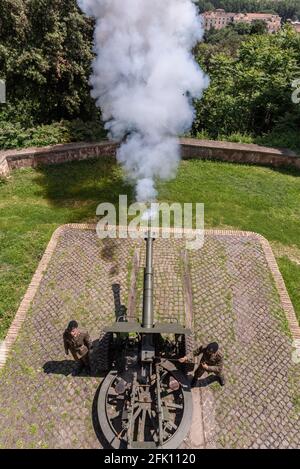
45, 57
242, 28
250, 93
258, 27
204, 5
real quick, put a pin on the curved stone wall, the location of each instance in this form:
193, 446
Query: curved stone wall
191, 149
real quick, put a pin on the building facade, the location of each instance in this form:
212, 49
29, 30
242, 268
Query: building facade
273, 22
219, 19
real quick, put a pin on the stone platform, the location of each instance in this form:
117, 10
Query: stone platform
226, 290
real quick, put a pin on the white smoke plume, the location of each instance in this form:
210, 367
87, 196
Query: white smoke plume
144, 79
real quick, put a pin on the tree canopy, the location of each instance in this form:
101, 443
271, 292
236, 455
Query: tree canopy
46, 54
250, 91
45, 58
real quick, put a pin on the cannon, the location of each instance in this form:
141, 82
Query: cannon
145, 400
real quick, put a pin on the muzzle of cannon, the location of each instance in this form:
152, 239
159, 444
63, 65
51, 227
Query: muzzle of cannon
145, 400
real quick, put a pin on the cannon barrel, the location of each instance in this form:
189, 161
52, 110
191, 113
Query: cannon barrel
148, 317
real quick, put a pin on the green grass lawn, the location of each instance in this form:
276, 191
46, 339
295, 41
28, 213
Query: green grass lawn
35, 202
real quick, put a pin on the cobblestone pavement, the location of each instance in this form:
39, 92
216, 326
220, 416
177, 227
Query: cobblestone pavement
42, 403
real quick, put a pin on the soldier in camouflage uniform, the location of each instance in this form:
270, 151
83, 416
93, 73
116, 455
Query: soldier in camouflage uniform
79, 344
211, 361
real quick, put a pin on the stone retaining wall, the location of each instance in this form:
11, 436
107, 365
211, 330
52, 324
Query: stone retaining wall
56, 154
238, 153
191, 149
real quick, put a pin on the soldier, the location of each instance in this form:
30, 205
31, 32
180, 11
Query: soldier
211, 361
79, 343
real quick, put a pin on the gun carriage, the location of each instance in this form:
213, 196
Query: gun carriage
145, 400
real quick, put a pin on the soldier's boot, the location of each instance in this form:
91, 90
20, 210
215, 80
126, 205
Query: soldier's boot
198, 373
194, 382
221, 380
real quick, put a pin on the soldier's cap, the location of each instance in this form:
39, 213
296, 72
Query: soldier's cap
72, 325
213, 347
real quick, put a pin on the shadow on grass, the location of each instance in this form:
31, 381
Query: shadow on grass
82, 185
287, 170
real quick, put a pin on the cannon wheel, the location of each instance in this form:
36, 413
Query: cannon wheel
105, 351
177, 409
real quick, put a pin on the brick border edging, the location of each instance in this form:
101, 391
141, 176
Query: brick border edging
25, 304
28, 297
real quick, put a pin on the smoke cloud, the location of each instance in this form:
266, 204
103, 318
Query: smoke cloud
144, 79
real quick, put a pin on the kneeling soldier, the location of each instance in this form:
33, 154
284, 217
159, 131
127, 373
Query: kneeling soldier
78, 342
211, 361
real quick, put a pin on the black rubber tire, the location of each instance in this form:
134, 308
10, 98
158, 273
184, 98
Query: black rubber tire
105, 352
